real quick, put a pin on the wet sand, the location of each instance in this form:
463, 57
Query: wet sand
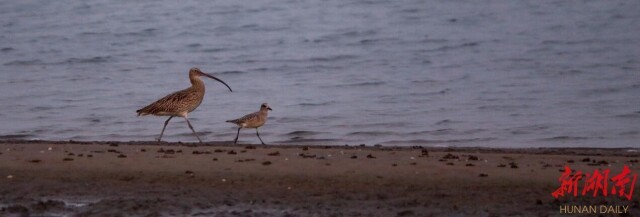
216, 179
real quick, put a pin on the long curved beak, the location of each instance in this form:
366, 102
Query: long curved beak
225, 84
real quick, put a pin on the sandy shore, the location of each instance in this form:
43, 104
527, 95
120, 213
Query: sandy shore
175, 179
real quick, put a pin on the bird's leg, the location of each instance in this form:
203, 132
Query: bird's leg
191, 127
259, 136
235, 141
165, 126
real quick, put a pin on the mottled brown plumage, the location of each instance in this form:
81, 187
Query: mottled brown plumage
182, 102
253, 120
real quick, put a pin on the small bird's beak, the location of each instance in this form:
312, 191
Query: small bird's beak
225, 84
270, 108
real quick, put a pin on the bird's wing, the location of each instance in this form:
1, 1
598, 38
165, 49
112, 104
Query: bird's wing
245, 118
169, 103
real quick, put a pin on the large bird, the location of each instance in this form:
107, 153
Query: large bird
182, 102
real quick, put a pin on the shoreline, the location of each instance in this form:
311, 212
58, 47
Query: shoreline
188, 179
617, 151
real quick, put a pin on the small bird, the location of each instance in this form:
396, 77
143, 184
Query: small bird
182, 102
253, 120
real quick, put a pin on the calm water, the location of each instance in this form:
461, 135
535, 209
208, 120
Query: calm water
451, 73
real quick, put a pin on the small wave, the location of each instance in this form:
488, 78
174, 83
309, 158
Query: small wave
447, 131
7, 49
629, 133
608, 90
443, 122
15, 136
558, 42
190, 134
372, 41
629, 115
426, 81
332, 58
40, 108
301, 140
503, 107
434, 40
194, 45
97, 59
233, 72
24, 62
303, 133
316, 104
360, 84
564, 138
455, 47
213, 50
91, 33
337, 36
372, 133
145, 32
425, 141
439, 92
527, 129
153, 50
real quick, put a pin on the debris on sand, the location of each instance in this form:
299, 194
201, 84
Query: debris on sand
513, 165
232, 152
67, 159
34, 161
483, 175
424, 153
370, 156
303, 155
266, 163
599, 163
473, 158
276, 153
189, 173
450, 156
